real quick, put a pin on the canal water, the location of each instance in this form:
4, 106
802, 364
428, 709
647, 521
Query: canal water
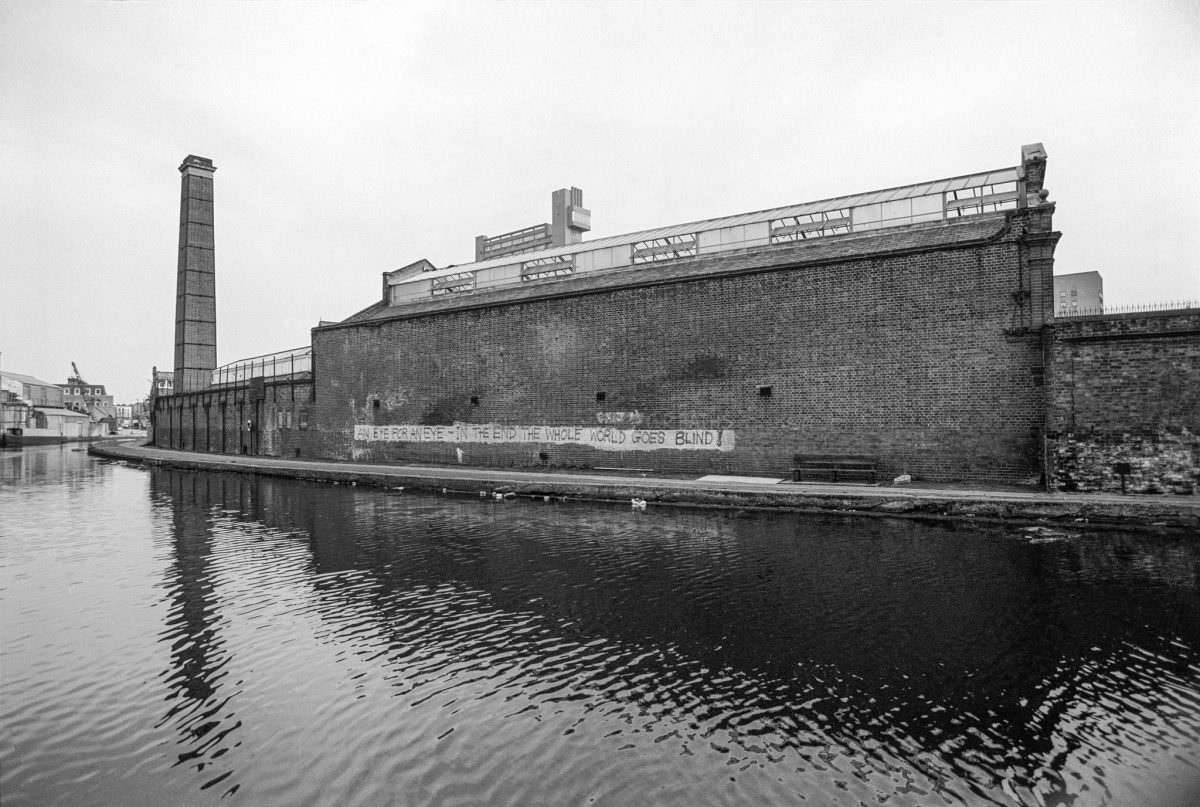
178, 638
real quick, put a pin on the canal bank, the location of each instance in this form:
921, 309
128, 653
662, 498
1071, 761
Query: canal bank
1170, 512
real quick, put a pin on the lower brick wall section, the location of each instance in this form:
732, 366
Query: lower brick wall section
1159, 463
909, 358
271, 422
1125, 389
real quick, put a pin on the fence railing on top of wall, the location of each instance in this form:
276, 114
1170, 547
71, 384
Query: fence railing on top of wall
285, 364
1131, 308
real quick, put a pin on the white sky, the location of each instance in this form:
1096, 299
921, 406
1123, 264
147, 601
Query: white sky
354, 138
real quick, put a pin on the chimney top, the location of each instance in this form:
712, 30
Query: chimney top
192, 161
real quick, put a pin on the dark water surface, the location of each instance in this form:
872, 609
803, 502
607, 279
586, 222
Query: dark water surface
174, 638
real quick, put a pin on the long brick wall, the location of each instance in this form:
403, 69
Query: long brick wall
921, 347
269, 419
1125, 389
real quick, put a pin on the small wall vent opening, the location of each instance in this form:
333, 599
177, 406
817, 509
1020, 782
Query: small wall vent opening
600, 396
474, 400
764, 390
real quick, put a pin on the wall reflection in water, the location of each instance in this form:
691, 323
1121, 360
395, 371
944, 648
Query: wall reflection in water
798, 655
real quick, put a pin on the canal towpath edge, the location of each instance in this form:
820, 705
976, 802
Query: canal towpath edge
1160, 512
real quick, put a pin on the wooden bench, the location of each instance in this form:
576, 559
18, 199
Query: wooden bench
832, 468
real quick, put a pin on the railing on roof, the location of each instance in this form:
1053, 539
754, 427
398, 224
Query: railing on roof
1130, 308
278, 366
942, 200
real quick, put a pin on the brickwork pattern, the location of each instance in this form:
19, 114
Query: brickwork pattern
912, 347
1125, 373
195, 295
1124, 389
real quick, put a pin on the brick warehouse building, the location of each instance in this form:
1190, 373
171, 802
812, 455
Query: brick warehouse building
905, 325
910, 325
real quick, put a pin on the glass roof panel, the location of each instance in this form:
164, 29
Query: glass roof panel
868, 198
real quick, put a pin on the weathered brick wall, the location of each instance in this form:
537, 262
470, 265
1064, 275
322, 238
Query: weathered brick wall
1125, 388
919, 347
1137, 373
235, 421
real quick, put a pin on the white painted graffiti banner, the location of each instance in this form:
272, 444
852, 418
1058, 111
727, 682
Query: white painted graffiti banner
605, 438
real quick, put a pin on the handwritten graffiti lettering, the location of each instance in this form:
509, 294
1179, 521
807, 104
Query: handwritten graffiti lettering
633, 418
605, 438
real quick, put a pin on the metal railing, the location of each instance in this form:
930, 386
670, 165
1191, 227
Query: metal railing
285, 364
1130, 308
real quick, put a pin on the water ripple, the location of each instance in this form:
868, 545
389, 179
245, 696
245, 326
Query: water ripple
225, 639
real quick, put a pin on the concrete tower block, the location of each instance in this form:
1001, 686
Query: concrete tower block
195, 293
569, 219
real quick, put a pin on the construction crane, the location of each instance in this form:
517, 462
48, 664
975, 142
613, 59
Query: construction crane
78, 375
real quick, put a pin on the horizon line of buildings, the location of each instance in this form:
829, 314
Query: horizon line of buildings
34, 411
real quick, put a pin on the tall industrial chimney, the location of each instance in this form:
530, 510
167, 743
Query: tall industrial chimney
195, 291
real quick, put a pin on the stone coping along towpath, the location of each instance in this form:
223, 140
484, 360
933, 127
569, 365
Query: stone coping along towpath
1159, 512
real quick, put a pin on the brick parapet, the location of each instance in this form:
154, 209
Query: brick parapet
1143, 324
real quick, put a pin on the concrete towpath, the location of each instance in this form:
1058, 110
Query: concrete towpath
1169, 512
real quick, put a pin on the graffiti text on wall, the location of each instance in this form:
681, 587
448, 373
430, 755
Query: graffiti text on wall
602, 437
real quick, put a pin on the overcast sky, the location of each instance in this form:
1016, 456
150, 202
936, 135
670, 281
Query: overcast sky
352, 138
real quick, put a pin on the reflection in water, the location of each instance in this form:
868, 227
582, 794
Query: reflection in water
65, 464
959, 656
878, 656
324, 644
200, 706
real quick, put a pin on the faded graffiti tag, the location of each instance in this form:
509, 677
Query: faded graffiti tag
633, 418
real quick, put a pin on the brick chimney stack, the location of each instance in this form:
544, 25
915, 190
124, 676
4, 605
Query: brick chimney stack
195, 291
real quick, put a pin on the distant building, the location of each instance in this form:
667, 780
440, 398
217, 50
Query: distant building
60, 426
33, 391
569, 220
80, 396
33, 411
140, 417
14, 412
1078, 293
162, 382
